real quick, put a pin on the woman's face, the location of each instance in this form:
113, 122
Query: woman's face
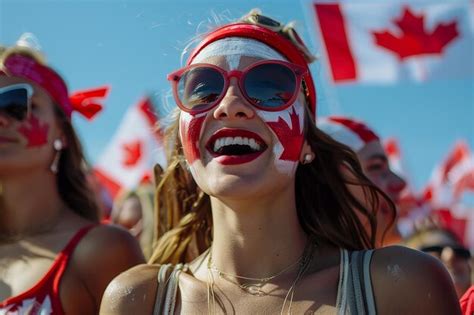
375, 165
235, 150
28, 144
374, 162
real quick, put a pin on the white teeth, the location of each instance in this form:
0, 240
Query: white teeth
254, 145
219, 143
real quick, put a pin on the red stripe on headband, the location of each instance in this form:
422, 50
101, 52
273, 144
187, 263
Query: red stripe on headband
84, 102
359, 128
268, 37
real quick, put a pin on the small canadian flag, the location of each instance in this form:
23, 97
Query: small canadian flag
136, 147
380, 42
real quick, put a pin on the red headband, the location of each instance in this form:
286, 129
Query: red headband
18, 65
358, 127
268, 37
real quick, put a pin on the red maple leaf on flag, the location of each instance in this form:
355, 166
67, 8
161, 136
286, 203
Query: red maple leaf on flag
290, 138
414, 39
35, 132
132, 153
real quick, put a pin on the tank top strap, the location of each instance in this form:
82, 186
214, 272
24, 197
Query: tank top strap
63, 260
48, 285
168, 284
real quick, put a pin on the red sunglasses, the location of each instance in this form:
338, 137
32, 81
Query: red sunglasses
270, 85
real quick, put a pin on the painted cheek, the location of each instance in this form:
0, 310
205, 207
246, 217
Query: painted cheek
288, 128
190, 130
35, 132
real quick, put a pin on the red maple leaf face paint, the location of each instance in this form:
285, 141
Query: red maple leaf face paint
287, 125
34, 131
190, 130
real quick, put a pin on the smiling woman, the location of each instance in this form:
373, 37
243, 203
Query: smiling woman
254, 211
55, 257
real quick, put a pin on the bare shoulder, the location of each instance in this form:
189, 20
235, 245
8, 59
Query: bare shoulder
104, 253
132, 292
406, 281
107, 244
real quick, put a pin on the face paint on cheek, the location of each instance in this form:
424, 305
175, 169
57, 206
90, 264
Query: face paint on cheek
288, 128
34, 131
190, 130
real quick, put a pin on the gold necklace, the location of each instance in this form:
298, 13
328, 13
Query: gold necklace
250, 288
304, 262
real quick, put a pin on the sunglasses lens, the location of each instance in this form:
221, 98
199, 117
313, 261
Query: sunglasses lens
200, 87
15, 103
270, 85
462, 252
438, 250
264, 20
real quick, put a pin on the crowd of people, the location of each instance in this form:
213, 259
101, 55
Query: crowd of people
263, 207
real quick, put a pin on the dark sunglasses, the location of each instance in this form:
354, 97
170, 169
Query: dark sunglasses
270, 85
15, 100
459, 251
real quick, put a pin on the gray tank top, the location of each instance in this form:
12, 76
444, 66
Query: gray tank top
354, 293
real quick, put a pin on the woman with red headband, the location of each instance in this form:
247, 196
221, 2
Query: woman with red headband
55, 257
374, 162
254, 212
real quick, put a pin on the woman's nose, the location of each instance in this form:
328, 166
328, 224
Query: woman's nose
448, 256
234, 105
396, 183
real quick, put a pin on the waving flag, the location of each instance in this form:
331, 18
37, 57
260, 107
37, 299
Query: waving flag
380, 42
451, 178
136, 147
449, 181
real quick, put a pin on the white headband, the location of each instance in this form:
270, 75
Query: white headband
233, 48
340, 133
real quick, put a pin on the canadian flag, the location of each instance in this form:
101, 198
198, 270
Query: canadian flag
135, 148
452, 178
381, 42
449, 181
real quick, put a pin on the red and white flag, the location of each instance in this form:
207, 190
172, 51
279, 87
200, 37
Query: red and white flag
450, 179
444, 192
381, 42
135, 148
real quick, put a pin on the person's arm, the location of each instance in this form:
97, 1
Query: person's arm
132, 292
406, 281
104, 253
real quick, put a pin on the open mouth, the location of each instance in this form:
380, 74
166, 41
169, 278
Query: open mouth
235, 146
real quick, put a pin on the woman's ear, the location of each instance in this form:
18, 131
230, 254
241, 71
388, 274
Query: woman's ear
307, 155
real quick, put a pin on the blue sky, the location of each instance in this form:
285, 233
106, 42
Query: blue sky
132, 45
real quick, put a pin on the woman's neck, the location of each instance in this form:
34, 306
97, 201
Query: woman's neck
29, 204
258, 238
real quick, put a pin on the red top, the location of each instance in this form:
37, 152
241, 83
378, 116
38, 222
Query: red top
43, 297
467, 301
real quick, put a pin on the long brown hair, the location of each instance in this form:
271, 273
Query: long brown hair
326, 208
72, 183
